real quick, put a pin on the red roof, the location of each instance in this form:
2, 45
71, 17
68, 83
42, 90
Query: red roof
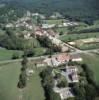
63, 57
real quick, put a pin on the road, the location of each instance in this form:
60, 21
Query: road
74, 51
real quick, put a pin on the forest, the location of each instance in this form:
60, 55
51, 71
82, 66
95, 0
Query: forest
77, 9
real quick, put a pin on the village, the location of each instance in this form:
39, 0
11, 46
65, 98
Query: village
63, 57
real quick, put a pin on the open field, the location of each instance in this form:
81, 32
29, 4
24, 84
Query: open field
39, 51
54, 21
9, 74
67, 29
93, 62
62, 29
7, 54
72, 37
88, 46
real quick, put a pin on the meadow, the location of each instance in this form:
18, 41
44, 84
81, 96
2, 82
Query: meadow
72, 37
9, 75
93, 62
7, 54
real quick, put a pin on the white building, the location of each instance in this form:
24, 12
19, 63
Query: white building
64, 93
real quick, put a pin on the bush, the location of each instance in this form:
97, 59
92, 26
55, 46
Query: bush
61, 84
15, 55
22, 80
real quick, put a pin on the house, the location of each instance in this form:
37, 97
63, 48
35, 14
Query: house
48, 26
72, 74
64, 93
40, 32
58, 59
64, 57
51, 33
76, 57
29, 72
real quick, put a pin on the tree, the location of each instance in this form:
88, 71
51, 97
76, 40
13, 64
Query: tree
30, 53
79, 92
61, 33
15, 55
91, 92
63, 84
48, 83
23, 76
22, 80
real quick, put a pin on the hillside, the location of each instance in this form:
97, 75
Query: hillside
73, 8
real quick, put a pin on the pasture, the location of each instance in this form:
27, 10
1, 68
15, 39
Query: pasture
9, 75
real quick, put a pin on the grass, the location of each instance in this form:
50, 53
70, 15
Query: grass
61, 29
32, 43
72, 37
7, 54
34, 89
8, 81
54, 21
2, 32
39, 51
93, 62
9, 74
88, 46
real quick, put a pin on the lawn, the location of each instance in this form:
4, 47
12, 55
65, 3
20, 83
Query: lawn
7, 54
72, 37
9, 74
93, 62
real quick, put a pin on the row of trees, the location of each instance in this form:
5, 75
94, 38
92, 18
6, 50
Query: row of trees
23, 75
46, 42
9, 40
86, 90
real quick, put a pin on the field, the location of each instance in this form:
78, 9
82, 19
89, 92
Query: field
93, 62
9, 74
72, 37
54, 21
88, 46
62, 29
7, 54
32, 43
39, 51
35, 45
67, 29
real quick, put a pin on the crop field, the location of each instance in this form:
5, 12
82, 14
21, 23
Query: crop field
72, 37
88, 46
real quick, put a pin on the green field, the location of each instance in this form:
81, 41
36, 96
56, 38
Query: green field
88, 46
72, 37
62, 29
39, 51
93, 62
32, 43
54, 21
9, 74
7, 54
